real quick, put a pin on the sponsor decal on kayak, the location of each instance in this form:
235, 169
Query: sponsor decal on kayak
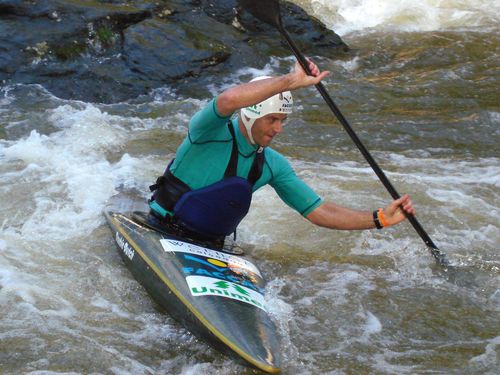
233, 262
221, 276
127, 250
208, 286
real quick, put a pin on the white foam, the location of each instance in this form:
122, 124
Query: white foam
345, 16
489, 357
494, 299
373, 324
30, 299
44, 372
73, 177
495, 117
350, 65
277, 306
104, 304
5, 99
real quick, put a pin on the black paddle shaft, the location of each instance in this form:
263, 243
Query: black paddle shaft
269, 12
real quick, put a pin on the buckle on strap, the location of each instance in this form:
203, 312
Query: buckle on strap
160, 181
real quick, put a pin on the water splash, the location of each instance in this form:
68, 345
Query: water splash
346, 16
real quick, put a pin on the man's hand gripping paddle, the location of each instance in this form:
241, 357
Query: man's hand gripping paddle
269, 11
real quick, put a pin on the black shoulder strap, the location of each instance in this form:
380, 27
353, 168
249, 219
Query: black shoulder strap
257, 166
232, 166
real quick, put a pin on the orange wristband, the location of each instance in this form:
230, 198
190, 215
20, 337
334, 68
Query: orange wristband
381, 218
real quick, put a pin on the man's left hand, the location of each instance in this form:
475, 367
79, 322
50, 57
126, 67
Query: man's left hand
394, 213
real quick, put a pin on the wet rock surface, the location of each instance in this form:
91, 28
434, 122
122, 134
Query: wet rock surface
110, 51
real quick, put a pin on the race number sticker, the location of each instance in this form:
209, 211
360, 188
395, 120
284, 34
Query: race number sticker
232, 261
208, 286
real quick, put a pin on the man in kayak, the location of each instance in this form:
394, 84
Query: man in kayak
207, 189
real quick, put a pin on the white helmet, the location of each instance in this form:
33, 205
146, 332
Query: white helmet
279, 103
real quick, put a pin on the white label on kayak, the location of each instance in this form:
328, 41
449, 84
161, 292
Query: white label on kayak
127, 250
231, 260
208, 286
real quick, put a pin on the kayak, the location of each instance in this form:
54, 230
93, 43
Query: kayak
216, 295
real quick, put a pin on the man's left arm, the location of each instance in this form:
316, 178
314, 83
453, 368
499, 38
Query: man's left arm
333, 216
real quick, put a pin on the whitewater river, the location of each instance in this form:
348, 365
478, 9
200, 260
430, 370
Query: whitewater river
421, 89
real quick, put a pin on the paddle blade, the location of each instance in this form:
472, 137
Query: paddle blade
265, 10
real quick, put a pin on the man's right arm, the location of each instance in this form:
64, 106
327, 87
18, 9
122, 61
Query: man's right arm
251, 93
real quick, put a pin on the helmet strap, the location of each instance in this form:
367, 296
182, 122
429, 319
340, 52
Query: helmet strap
248, 122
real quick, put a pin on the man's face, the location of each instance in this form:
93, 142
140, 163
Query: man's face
265, 128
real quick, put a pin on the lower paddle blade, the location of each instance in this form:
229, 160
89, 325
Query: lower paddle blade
265, 10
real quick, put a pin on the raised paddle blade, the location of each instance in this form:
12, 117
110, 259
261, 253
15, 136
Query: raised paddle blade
265, 10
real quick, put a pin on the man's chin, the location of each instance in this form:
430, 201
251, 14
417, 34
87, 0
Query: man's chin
267, 141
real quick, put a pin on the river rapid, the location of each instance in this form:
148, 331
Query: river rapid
420, 88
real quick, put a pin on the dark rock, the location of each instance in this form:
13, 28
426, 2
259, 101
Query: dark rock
191, 50
307, 32
109, 51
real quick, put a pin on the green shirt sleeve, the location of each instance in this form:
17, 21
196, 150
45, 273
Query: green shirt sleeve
291, 189
207, 124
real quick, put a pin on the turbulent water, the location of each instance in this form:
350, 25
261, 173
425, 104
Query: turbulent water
420, 87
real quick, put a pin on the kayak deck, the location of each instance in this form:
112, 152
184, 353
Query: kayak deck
215, 295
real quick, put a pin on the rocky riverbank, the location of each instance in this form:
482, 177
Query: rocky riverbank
110, 51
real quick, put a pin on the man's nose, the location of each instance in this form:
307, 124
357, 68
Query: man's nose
278, 126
